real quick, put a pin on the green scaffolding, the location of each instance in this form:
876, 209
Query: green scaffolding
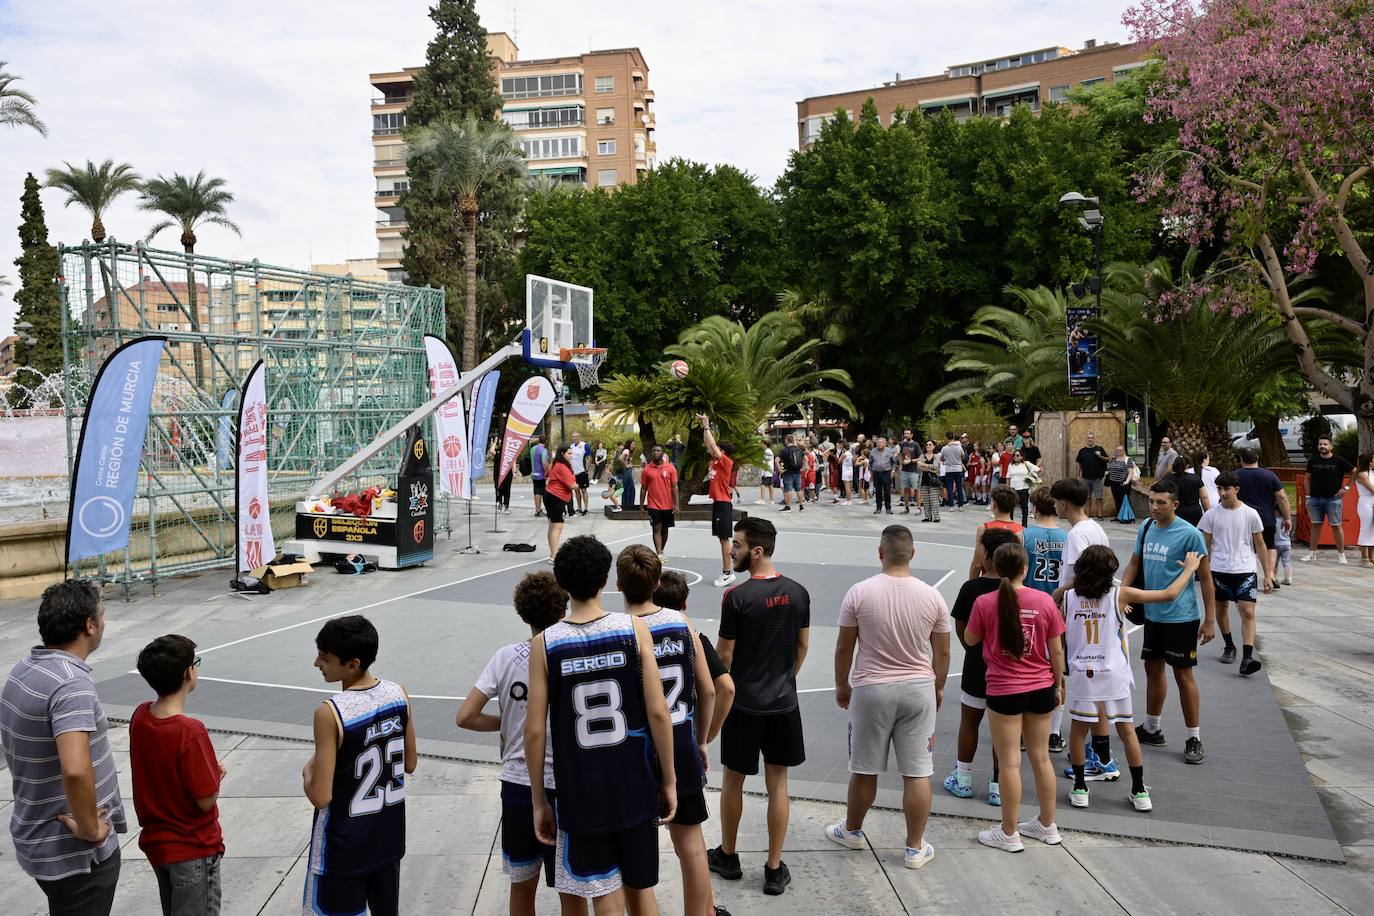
344, 360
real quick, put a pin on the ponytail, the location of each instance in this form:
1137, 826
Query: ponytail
1010, 562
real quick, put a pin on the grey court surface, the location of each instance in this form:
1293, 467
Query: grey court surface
439, 626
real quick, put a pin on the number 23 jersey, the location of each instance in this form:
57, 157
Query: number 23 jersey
365, 823
602, 755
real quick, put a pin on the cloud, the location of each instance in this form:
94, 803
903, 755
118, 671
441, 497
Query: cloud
273, 96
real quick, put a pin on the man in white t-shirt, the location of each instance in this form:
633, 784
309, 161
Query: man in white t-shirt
1235, 541
578, 453
900, 626
541, 603
1070, 503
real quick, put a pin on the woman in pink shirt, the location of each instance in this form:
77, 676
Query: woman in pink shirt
1019, 628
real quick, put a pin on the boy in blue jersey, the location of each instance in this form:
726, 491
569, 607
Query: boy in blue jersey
690, 694
1044, 543
595, 693
540, 602
364, 747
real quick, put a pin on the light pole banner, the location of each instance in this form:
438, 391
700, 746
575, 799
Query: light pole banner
255, 543
483, 405
531, 403
1082, 351
105, 473
450, 425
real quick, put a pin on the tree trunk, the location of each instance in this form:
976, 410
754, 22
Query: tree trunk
468, 207
194, 309
1212, 438
1273, 453
97, 230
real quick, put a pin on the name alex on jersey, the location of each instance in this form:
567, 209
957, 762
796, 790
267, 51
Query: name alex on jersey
391, 726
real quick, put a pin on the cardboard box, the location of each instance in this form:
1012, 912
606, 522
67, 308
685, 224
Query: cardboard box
283, 575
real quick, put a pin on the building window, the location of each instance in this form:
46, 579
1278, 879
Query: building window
533, 87
605, 84
1119, 72
1094, 81
561, 116
551, 147
385, 124
1059, 93
605, 147
390, 187
605, 116
606, 178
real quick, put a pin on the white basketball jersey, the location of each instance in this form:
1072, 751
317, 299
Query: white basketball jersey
1098, 655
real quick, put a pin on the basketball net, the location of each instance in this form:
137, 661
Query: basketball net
587, 361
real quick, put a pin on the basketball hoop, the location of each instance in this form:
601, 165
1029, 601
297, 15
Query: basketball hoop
587, 361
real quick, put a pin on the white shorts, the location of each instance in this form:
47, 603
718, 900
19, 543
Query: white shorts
1118, 712
899, 715
973, 702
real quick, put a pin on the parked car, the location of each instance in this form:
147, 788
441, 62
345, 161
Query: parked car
1291, 431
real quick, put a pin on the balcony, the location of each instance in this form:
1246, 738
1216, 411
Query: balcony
391, 224
382, 100
398, 162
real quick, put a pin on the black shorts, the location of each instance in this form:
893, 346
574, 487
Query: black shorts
691, 809
539, 486
555, 507
723, 519
593, 865
778, 736
1035, 702
1236, 587
522, 855
583, 481
661, 518
1175, 643
1268, 534
377, 891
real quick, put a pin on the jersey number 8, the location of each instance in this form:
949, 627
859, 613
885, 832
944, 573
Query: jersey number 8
371, 795
600, 723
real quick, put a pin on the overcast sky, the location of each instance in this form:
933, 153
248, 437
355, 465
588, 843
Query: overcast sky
272, 95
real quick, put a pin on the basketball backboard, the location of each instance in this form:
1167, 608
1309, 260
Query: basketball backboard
558, 316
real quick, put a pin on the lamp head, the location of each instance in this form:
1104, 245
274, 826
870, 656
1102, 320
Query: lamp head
1073, 198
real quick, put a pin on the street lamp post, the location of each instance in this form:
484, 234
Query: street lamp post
1092, 220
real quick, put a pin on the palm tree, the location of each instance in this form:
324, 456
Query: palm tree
466, 156
832, 320
16, 105
94, 188
1017, 353
188, 203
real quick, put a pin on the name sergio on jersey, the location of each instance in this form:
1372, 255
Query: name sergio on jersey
382, 729
670, 647
589, 663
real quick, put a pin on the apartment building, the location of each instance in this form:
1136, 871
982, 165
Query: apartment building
989, 87
8, 355
586, 119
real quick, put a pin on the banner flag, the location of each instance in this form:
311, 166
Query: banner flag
531, 403
255, 544
450, 425
1082, 351
225, 436
105, 473
483, 406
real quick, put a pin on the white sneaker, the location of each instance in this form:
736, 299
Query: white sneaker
1340, 558
1311, 555
999, 840
915, 858
759, 502
850, 839
616, 509
724, 579
1038, 831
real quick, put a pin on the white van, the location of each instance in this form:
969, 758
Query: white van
1291, 431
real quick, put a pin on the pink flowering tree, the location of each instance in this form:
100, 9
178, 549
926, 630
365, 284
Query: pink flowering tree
1274, 100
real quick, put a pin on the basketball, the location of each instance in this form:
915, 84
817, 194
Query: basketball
679, 368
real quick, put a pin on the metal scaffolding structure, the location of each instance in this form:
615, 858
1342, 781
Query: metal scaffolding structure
345, 359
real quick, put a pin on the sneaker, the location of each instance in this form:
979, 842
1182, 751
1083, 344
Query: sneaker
1078, 798
1154, 739
1090, 763
616, 509
1056, 743
1340, 558
999, 840
760, 502
775, 880
1288, 580
1192, 751
719, 910
876, 511
1140, 801
1228, 655
724, 864
1038, 831
800, 508
850, 839
1250, 665
889, 511
957, 788
724, 579
583, 512
1309, 556
994, 794
915, 858
1105, 772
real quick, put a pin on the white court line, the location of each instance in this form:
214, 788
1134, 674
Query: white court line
943, 578
699, 577
225, 680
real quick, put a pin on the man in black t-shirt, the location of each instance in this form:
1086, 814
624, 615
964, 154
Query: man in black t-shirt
765, 627
1261, 490
1092, 467
791, 458
1326, 487
910, 475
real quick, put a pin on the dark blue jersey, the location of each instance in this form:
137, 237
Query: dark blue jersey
365, 823
676, 653
1045, 553
602, 753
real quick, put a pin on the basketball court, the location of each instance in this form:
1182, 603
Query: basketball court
440, 624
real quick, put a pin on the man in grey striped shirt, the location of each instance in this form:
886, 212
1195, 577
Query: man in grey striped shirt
67, 812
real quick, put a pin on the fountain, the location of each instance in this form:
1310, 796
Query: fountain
33, 442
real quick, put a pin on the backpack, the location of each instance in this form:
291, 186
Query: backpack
525, 465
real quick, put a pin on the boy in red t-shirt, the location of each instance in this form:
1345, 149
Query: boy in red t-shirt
176, 782
722, 508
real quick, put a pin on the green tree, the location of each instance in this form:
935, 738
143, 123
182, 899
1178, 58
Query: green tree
38, 299
457, 82
187, 203
465, 156
16, 105
94, 188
